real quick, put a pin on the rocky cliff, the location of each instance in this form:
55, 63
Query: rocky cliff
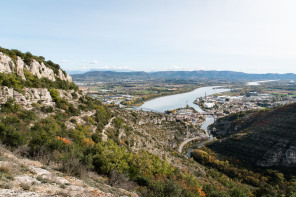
28, 96
17, 66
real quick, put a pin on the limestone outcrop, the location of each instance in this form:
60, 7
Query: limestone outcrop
280, 155
17, 66
289, 157
40, 70
27, 97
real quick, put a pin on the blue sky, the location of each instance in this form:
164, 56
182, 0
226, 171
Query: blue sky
254, 36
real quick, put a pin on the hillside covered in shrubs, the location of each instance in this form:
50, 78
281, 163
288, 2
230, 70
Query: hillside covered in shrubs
265, 138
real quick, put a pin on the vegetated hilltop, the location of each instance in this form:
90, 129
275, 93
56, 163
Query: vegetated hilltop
263, 138
177, 75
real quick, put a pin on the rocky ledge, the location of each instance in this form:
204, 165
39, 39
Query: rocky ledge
7, 65
28, 96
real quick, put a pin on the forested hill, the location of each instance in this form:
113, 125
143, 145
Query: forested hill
262, 138
179, 75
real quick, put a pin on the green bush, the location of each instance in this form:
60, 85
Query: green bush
27, 115
47, 109
11, 137
74, 95
55, 94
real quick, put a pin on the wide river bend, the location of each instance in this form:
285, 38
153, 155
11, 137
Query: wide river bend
165, 103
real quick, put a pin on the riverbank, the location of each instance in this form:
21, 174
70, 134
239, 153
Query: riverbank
256, 83
145, 98
202, 139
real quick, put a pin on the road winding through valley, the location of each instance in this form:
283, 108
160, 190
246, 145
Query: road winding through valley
209, 120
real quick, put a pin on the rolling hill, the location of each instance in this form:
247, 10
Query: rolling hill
178, 75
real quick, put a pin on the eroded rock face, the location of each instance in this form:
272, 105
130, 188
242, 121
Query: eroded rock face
20, 67
37, 94
64, 76
7, 65
5, 93
289, 157
67, 94
271, 158
279, 155
27, 97
40, 70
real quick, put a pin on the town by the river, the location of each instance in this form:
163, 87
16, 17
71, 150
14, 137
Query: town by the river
172, 102
201, 106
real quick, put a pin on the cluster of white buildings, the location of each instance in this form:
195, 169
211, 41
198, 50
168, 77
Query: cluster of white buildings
223, 105
188, 116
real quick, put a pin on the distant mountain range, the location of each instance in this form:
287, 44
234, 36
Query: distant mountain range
179, 75
74, 72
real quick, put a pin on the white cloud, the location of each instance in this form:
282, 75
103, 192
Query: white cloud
65, 61
94, 62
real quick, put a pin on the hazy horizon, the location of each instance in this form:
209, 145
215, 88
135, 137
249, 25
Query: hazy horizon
71, 72
256, 36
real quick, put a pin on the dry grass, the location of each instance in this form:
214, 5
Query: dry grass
25, 186
5, 167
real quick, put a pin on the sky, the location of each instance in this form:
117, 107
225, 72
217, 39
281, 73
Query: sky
253, 36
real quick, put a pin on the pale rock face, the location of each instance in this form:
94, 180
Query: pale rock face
27, 97
19, 98
68, 77
20, 67
271, 158
5, 93
38, 94
289, 158
40, 70
63, 77
38, 171
279, 155
66, 94
25, 179
47, 72
6, 64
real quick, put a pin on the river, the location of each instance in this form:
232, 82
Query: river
257, 83
209, 120
165, 103
176, 101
